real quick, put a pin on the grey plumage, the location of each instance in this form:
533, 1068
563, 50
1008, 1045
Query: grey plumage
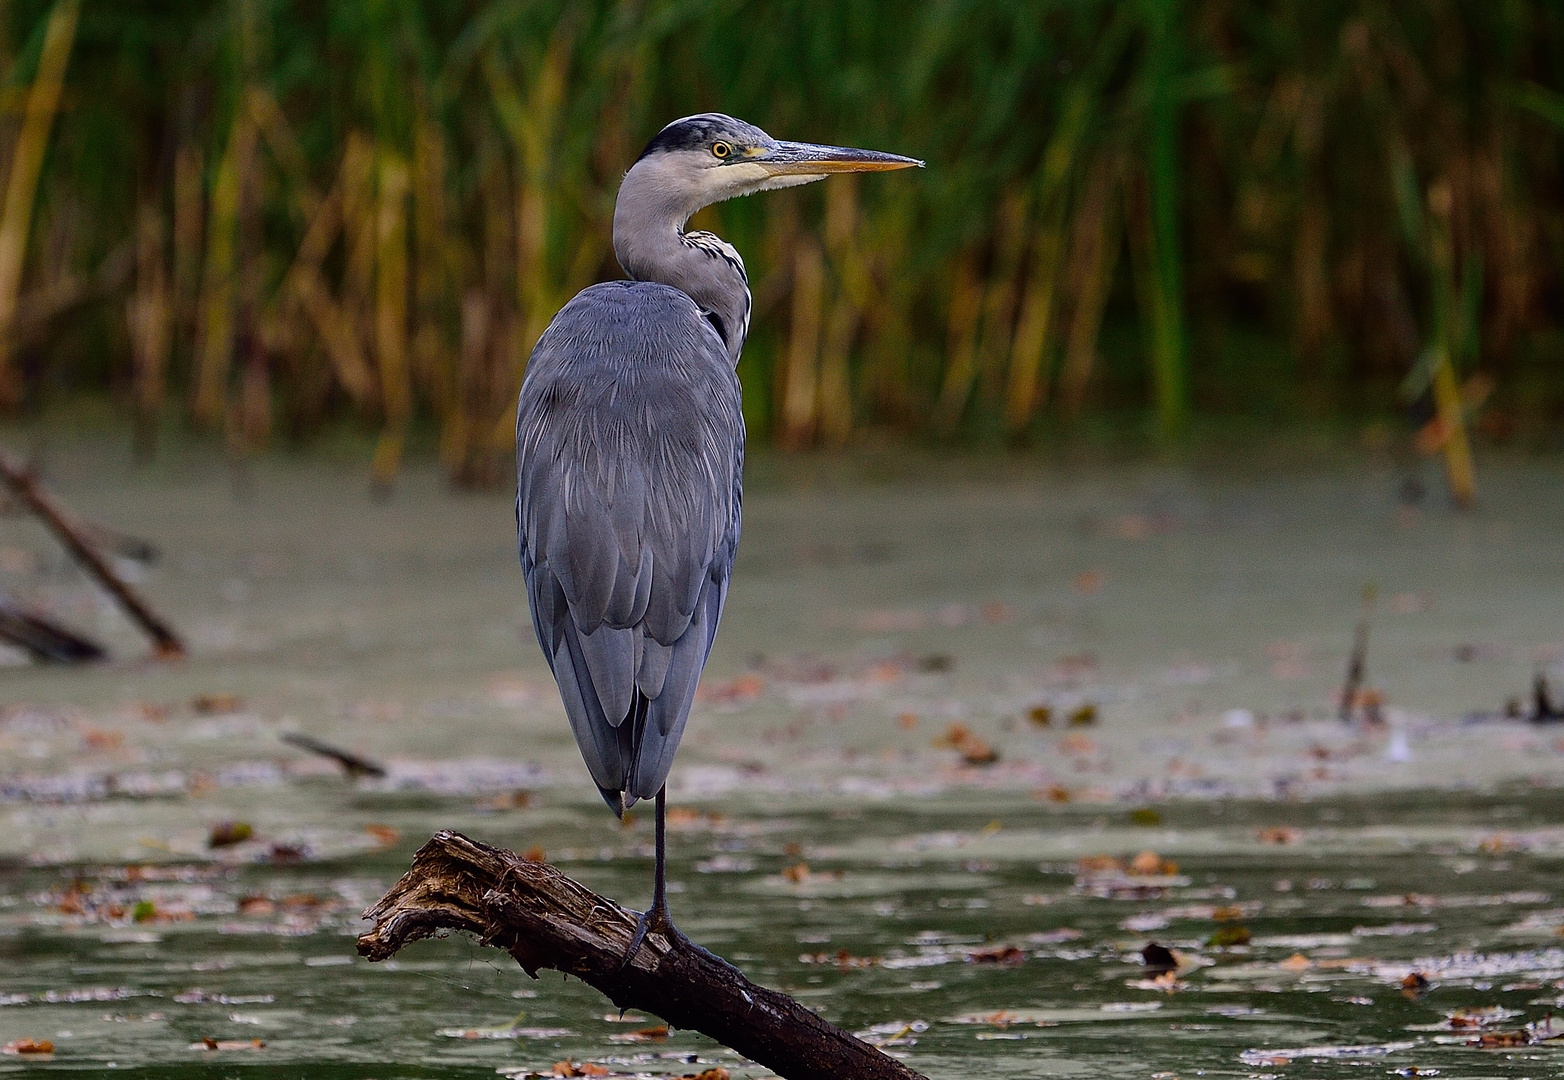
630, 444
630, 450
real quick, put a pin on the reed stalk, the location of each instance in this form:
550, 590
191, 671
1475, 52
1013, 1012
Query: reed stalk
846, 306
1165, 272
43, 101
391, 313
216, 325
149, 314
966, 306
1094, 252
799, 393
1249, 178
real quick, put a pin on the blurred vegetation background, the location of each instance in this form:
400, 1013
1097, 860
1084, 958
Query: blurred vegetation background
266, 219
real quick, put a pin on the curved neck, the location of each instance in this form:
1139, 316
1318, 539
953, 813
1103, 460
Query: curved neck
651, 245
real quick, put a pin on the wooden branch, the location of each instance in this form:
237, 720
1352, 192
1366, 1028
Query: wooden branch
546, 920
42, 638
351, 763
26, 490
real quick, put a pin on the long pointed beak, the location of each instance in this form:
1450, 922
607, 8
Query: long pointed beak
810, 159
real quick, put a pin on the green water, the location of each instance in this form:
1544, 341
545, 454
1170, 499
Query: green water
912, 892
964, 913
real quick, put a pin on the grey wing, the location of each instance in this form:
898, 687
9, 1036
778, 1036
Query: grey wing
629, 459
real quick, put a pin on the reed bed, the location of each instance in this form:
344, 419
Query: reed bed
264, 218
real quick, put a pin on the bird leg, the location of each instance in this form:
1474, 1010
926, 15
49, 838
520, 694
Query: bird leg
656, 917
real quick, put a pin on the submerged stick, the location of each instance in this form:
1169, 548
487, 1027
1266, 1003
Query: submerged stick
42, 638
351, 763
546, 920
1357, 663
1543, 710
27, 491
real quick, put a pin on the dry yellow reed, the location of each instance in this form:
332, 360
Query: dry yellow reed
852, 274
1095, 251
216, 318
799, 396
391, 312
43, 100
966, 305
149, 312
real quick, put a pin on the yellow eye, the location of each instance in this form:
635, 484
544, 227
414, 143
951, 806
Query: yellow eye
721, 149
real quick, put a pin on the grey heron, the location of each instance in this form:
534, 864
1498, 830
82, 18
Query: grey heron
629, 454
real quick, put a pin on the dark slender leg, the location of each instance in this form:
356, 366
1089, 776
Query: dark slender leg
659, 912
656, 917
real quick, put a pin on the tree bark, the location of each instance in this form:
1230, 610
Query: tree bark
546, 920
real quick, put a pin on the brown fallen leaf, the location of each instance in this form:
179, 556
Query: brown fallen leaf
208, 1043
385, 834
1500, 1040
1231, 934
798, 873
1040, 715
973, 749
1149, 864
229, 833
93, 739
1087, 582
1087, 865
979, 752
1278, 834
29, 1046
586, 1068
534, 854
1085, 716
685, 817
1004, 955
1414, 986
256, 905
1296, 962
716, 1073
659, 1033
213, 704
1076, 743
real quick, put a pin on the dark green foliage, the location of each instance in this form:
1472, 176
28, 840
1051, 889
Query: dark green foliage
1306, 196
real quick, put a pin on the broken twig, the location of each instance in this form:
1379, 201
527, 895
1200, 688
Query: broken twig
1543, 710
1357, 663
26, 490
351, 764
546, 920
42, 638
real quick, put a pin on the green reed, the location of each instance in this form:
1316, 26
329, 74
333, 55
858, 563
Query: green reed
266, 217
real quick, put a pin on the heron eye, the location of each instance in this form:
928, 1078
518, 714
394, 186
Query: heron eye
721, 149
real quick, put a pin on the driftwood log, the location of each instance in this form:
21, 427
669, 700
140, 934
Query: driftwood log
546, 920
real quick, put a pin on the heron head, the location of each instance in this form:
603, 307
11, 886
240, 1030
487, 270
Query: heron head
709, 157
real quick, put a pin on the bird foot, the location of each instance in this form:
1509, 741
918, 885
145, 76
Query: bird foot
653, 920
648, 921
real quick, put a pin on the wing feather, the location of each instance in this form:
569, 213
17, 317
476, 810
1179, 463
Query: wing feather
630, 443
